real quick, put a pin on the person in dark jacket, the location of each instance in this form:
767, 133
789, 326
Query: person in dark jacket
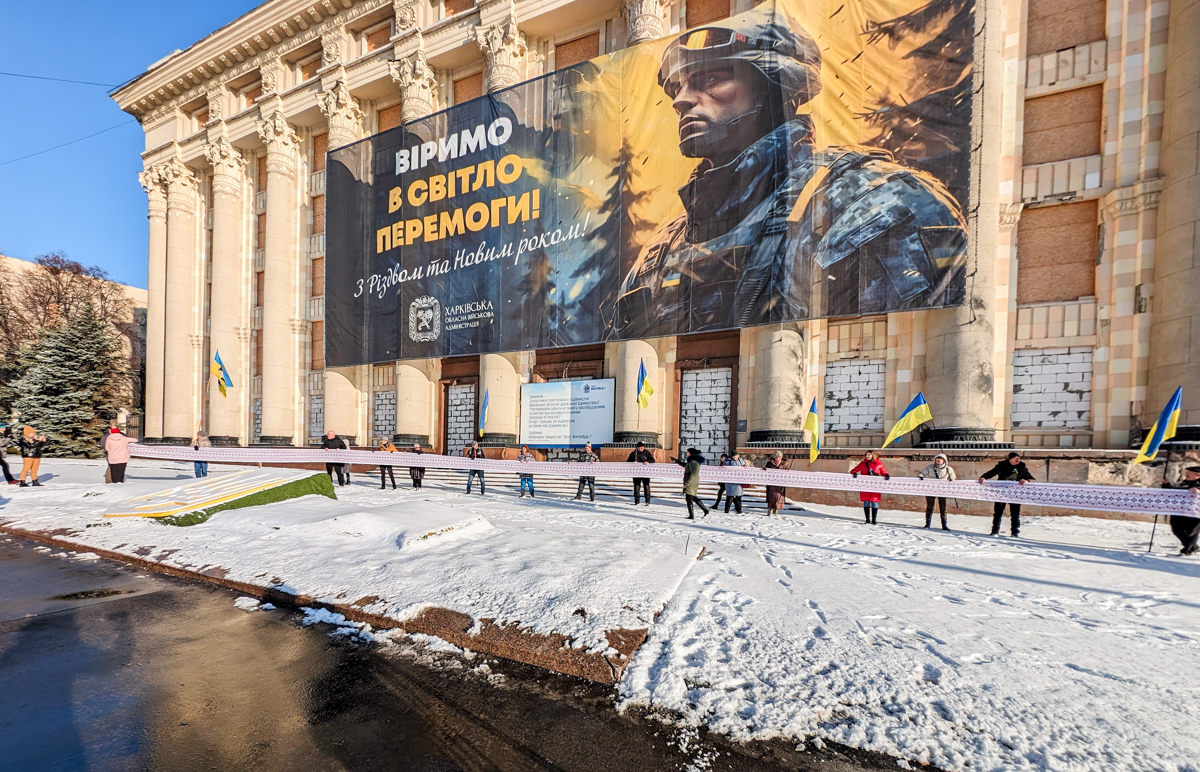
476, 453
1012, 468
526, 457
586, 456
777, 494
333, 442
720, 485
6, 439
872, 467
417, 473
691, 481
1187, 529
641, 456
31, 444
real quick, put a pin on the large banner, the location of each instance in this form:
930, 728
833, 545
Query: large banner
563, 414
800, 160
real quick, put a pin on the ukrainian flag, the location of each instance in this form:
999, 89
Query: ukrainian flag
1163, 429
644, 389
812, 422
217, 368
483, 413
914, 415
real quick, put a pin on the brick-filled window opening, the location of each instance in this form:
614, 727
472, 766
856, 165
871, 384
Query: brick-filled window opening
257, 417
260, 181
460, 417
259, 285
1058, 24
378, 38
1052, 388
309, 67
389, 118
1059, 127
258, 352
701, 12
455, 7
578, 50
251, 95
1056, 253
318, 345
318, 214
704, 402
260, 232
320, 148
854, 394
384, 418
468, 88
316, 415
201, 120
318, 277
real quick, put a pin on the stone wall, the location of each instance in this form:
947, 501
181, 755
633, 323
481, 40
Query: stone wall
854, 395
384, 417
316, 415
1052, 388
257, 410
704, 400
460, 418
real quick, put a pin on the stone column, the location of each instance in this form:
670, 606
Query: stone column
228, 289
278, 370
418, 85
959, 383
777, 415
181, 381
415, 403
1175, 335
643, 20
498, 378
153, 183
504, 46
632, 423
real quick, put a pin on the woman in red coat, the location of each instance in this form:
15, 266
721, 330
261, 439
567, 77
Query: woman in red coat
870, 465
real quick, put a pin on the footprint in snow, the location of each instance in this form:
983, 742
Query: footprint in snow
816, 609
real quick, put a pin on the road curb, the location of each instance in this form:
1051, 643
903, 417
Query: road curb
550, 652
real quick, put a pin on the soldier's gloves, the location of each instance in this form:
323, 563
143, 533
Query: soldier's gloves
854, 474
195, 447
887, 476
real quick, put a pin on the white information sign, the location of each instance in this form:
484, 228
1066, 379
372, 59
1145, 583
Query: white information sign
562, 414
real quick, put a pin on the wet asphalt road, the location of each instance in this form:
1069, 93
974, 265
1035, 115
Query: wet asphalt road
105, 667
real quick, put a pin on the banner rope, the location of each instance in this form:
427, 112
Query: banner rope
1100, 498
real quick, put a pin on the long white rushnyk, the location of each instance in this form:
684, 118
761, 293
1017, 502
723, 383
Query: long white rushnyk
1102, 498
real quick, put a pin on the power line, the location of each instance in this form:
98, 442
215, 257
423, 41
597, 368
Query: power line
72, 142
59, 80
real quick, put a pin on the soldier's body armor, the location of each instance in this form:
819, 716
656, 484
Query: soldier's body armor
784, 233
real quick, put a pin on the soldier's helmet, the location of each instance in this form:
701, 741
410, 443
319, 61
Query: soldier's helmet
770, 42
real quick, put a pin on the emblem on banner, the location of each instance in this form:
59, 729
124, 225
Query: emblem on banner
425, 319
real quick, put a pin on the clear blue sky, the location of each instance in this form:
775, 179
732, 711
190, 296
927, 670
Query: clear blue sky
84, 199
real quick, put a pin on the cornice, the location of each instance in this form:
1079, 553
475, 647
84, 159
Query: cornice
1132, 199
272, 30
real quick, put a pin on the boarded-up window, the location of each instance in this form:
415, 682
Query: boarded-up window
318, 277
318, 345
577, 50
379, 38
258, 352
260, 232
201, 119
468, 88
320, 148
454, 7
1062, 126
389, 118
260, 183
1058, 24
252, 95
1056, 253
308, 70
318, 213
260, 283
701, 12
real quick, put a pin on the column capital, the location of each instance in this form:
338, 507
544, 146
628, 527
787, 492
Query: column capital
1132, 199
281, 141
243, 334
643, 19
504, 46
155, 185
181, 186
227, 163
342, 113
1009, 215
418, 84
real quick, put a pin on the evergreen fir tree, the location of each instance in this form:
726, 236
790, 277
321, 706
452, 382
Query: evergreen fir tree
73, 383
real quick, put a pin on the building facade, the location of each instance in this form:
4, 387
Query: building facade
1085, 244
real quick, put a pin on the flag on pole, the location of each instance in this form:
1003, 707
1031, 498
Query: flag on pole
914, 415
1163, 429
483, 412
812, 422
217, 368
644, 389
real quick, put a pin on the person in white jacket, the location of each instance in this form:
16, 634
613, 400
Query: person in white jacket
940, 469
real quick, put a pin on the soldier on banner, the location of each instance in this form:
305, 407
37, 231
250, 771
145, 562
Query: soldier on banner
767, 215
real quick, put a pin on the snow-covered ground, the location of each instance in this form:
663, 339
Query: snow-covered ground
1068, 649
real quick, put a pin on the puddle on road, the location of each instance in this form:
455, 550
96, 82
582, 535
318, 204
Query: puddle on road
89, 594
